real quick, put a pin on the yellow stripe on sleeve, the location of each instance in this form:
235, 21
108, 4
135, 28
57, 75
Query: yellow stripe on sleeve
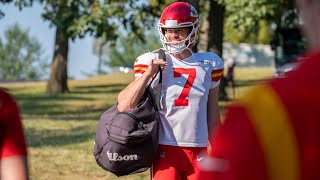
276, 134
217, 74
139, 68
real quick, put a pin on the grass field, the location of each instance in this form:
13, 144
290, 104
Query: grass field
60, 129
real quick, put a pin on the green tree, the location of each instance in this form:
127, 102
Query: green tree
71, 19
245, 15
20, 56
125, 51
262, 35
99, 48
265, 33
241, 17
76, 18
18, 3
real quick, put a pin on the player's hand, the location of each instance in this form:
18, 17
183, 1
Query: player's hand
154, 66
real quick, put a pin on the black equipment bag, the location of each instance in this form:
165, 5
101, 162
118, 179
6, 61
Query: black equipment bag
127, 142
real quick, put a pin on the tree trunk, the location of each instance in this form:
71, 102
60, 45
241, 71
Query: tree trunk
215, 39
216, 19
204, 30
99, 68
59, 75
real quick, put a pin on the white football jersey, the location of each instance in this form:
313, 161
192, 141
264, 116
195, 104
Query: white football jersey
184, 96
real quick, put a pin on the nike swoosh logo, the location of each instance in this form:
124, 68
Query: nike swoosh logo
199, 159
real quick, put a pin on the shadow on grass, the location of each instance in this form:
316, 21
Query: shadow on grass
58, 137
55, 113
43, 105
103, 86
88, 114
46, 97
110, 88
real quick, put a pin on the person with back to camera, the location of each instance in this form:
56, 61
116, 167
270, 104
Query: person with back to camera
13, 151
189, 94
273, 132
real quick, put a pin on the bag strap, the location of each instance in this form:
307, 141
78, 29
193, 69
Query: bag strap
161, 55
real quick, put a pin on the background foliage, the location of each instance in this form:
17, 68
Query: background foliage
21, 56
253, 21
126, 50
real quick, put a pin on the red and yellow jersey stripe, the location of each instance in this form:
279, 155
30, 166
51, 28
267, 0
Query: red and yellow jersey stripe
256, 140
216, 74
268, 119
140, 68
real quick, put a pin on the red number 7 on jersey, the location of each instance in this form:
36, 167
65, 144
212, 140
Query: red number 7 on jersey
177, 72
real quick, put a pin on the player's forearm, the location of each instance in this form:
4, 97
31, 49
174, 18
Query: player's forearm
15, 167
213, 114
131, 95
214, 120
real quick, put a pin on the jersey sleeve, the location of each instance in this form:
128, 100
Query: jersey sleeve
217, 70
142, 62
236, 152
13, 140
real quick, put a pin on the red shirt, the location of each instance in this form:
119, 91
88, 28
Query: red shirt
12, 142
273, 132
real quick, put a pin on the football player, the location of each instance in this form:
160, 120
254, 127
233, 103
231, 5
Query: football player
189, 93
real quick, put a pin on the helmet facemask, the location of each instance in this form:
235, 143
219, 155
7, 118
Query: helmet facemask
177, 47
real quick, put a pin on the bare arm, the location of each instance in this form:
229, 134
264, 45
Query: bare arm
131, 95
213, 116
14, 168
13, 151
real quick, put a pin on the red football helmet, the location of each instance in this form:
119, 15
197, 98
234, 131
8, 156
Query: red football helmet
178, 15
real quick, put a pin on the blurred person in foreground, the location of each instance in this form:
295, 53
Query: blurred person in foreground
13, 150
274, 131
189, 93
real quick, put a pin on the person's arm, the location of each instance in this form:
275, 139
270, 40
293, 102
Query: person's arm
213, 112
213, 115
13, 150
14, 168
131, 95
236, 152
